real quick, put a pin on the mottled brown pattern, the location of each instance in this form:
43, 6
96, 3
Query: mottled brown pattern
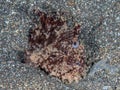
55, 48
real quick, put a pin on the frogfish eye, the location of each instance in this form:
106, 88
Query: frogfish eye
75, 44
